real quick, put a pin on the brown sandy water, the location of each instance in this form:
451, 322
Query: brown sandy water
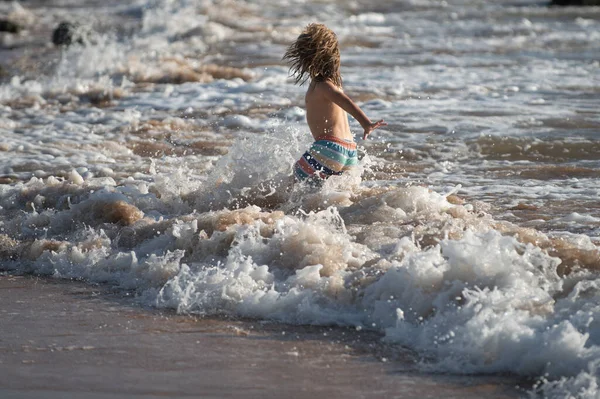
63, 339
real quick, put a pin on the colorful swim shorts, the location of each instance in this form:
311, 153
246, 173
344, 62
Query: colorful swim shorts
326, 157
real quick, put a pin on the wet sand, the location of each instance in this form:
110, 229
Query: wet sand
65, 339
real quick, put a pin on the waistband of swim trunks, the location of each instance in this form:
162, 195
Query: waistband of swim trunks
346, 143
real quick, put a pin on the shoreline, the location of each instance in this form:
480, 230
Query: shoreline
62, 339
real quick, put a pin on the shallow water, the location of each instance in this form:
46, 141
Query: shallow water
156, 159
53, 325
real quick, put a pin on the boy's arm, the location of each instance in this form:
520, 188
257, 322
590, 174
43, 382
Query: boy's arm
336, 95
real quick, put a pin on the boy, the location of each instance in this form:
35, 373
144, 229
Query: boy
315, 55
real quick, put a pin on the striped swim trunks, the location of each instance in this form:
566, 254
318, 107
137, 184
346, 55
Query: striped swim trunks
326, 157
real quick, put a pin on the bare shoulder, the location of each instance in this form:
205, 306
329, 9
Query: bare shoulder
327, 86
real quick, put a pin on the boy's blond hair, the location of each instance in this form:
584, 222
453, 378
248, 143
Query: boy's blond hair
315, 55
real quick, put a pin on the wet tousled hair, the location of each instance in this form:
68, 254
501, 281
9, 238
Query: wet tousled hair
315, 55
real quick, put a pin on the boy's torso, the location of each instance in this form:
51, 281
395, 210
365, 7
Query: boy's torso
324, 117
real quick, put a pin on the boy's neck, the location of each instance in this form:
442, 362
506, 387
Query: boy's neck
315, 81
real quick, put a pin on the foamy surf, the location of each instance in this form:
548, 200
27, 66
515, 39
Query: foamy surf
436, 277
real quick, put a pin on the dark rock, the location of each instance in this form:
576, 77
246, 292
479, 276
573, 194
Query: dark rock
577, 3
66, 33
8, 26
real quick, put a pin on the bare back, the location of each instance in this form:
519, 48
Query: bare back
324, 117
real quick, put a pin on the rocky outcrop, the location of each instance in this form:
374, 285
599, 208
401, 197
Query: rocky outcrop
67, 33
9, 26
578, 3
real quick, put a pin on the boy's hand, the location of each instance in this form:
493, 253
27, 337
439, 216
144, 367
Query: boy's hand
371, 127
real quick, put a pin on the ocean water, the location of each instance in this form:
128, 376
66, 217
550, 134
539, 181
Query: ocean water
157, 156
